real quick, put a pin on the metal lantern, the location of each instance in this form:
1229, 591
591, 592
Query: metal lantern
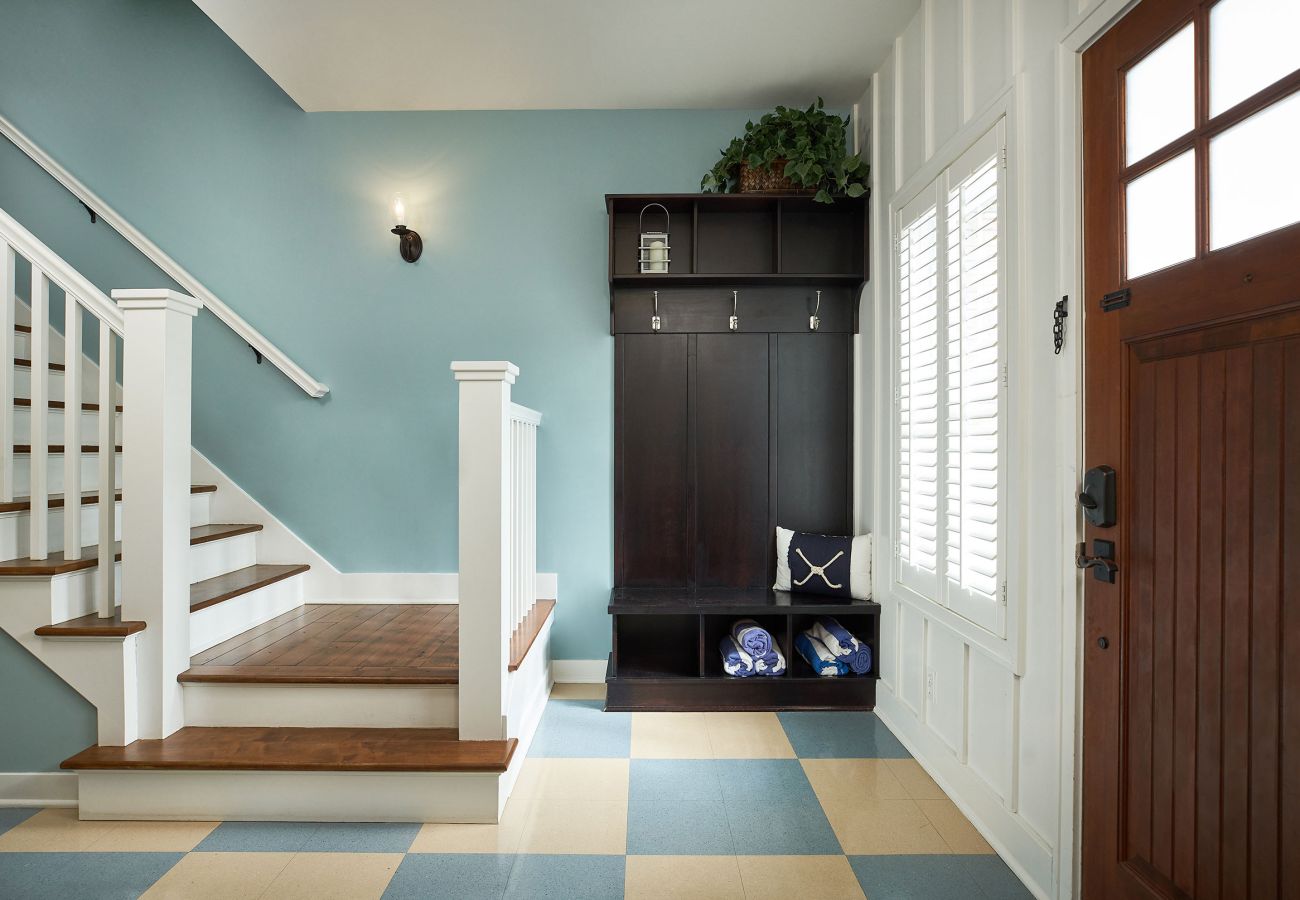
652, 252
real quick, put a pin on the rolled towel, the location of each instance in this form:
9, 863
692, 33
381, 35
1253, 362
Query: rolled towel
770, 663
848, 649
752, 638
823, 661
735, 661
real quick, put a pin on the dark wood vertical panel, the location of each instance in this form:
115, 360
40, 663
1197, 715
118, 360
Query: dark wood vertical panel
1163, 605
652, 443
1185, 598
1235, 830
1289, 792
1209, 643
731, 454
1140, 655
1265, 619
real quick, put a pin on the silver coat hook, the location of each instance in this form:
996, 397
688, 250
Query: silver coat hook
655, 322
734, 323
813, 321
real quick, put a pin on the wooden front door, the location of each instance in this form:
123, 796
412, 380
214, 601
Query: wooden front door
1191, 731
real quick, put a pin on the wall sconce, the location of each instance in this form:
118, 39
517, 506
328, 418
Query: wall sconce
408, 242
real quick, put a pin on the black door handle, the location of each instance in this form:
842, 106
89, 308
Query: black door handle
1101, 561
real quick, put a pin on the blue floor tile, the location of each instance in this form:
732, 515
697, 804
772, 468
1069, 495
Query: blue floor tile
788, 827
538, 877
937, 877
579, 728
840, 735
678, 828
13, 815
81, 876
258, 837
763, 779
369, 837
462, 876
674, 779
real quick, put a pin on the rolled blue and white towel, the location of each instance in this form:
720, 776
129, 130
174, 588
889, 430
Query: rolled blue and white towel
823, 661
770, 663
752, 638
735, 661
847, 649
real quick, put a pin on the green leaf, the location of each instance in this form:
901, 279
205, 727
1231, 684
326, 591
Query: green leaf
855, 190
823, 197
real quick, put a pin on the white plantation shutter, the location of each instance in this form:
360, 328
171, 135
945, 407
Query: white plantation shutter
951, 397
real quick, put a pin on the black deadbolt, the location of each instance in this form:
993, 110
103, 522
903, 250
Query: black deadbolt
1098, 496
1103, 643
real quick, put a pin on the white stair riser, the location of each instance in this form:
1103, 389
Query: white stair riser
15, 527
211, 626
215, 558
89, 389
89, 426
262, 796
54, 472
321, 705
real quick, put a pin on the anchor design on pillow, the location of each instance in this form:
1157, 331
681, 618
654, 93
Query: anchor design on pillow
820, 571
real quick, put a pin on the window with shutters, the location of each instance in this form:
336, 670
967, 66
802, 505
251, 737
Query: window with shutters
951, 387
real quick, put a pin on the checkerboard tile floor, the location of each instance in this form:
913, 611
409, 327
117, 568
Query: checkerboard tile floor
608, 805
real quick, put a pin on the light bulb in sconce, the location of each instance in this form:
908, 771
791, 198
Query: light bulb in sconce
409, 243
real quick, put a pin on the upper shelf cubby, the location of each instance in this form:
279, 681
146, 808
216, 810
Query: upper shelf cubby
719, 239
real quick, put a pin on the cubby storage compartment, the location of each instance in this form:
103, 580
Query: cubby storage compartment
817, 238
657, 646
862, 625
738, 238
716, 627
625, 235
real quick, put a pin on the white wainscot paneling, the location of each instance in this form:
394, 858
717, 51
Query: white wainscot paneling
883, 173
911, 657
910, 50
988, 45
887, 664
991, 733
944, 64
945, 673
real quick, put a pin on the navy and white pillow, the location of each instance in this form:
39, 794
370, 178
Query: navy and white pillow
823, 564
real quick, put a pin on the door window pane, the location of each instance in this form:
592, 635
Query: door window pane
1161, 216
1160, 97
1253, 43
1253, 186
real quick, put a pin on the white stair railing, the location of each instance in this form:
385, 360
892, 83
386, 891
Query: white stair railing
498, 538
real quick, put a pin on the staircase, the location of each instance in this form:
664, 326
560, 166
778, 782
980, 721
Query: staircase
223, 691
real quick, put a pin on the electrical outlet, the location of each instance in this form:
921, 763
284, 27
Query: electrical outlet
929, 685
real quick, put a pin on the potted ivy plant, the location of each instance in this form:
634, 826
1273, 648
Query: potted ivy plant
791, 151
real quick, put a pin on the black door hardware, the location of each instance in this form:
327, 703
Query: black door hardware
1103, 643
1098, 496
1102, 560
1058, 325
1116, 300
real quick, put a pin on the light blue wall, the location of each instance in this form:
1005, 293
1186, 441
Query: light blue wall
285, 216
42, 720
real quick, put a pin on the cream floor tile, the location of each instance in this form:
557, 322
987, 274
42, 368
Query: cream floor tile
684, 878
575, 826
219, 876
152, 837
915, 780
578, 692
670, 735
876, 826
573, 779
782, 877
500, 838
335, 876
954, 826
850, 779
747, 735
53, 830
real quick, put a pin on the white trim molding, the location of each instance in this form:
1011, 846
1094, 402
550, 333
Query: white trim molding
38, 789
169, 266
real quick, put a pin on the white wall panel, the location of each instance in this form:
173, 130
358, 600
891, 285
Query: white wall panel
945, 70
988, 41
911, 657
945, 673
883, 175
991, 735
911, 97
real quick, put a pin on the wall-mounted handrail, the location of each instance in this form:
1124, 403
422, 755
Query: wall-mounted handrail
159, 258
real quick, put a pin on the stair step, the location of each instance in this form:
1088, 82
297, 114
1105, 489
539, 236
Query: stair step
56, 449
59, 404
232, 584
303, 750
20, 504
522, 640
92, 626
27, 364
55, 564
23, 329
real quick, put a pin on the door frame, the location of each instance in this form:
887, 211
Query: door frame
1069, 112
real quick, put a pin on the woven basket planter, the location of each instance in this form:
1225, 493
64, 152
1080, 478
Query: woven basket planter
764, 180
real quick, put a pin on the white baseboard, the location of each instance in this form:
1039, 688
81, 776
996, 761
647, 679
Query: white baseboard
38, 789
579, 671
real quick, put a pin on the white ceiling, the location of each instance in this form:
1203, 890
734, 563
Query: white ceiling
564, 54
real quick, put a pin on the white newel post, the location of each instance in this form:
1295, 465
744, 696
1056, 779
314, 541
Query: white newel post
156, 495
484, 546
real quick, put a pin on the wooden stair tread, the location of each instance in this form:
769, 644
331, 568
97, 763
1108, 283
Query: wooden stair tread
59, 404
92, 626
19, 504
58, 448
522, 640
57, 565
209, 674
23, 329
27, 364
303, 750
241, 581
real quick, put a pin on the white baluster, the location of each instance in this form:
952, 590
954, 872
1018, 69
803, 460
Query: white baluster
530, 523
71, 427
8, 283
105, 595
39, 542
516, 536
